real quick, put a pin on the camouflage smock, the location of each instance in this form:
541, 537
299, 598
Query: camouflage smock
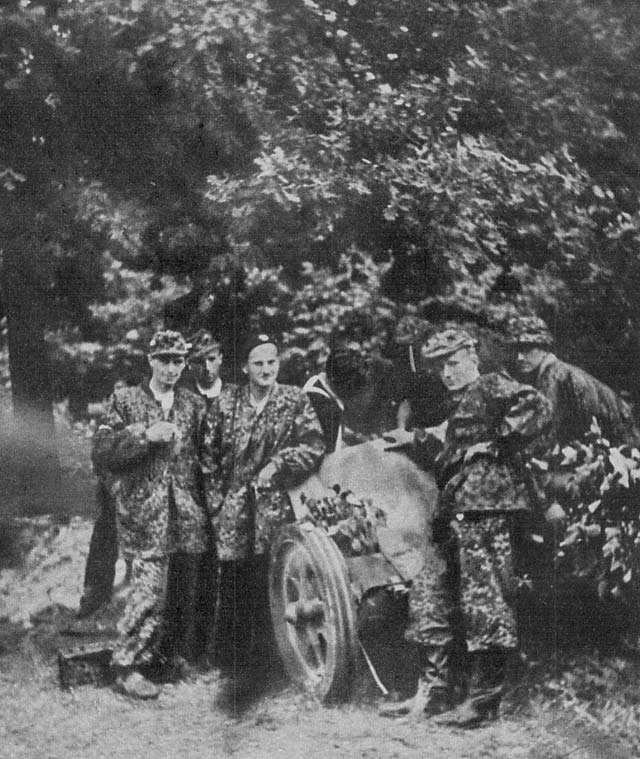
155, 484
466, 587
495, 421
238, 443
576, 397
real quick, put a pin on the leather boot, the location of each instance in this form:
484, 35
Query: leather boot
429, 700
134, 684
433, 695
479, 707
93, 598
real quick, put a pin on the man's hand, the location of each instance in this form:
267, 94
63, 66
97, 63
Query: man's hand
398, 437
439, 432
162, 432
137, 428
265, 477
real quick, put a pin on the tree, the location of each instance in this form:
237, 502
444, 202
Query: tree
445, 148
105, 92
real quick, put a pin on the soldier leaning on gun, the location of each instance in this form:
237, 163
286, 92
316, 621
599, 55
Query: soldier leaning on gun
260, 439
460, 604
149, 445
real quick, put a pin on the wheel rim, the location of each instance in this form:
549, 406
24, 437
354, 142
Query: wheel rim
312, 612
309, 618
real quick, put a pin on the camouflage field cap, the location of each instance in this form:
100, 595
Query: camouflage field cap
531, 331
447, 342
203, 343
167, 342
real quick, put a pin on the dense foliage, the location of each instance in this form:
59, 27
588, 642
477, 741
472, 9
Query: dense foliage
301, 166
453, 160
597, 486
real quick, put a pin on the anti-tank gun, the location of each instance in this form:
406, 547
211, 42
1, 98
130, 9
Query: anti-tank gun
340, 573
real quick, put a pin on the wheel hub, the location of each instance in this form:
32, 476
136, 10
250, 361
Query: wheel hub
305, 611
311, 610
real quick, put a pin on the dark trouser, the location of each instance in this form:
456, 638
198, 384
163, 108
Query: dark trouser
190, 598
190, 604
460, 603
242, 618
100, 569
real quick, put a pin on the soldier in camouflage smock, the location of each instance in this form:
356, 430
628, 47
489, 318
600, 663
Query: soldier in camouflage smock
268, 445
460, 604
149, 444
576, 396
260, 439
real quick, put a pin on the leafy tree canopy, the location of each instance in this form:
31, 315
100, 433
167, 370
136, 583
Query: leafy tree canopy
439, 159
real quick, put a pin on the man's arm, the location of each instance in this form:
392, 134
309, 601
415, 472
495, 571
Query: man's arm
595, 399
119, 443
528, 415
305, 448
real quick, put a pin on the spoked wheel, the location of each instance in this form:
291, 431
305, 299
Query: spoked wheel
312, 611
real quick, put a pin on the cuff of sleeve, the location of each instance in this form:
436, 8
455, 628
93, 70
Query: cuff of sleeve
278, 462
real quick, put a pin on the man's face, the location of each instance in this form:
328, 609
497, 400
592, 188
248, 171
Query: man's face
262, 366
529, 358
459, 369
166, 369
207, 369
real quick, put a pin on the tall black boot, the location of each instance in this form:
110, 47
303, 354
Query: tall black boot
486, 672
433, 695
477, 708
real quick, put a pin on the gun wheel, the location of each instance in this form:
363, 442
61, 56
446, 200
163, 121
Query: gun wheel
312, 611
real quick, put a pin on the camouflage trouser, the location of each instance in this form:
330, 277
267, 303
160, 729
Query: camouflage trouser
163, 596
141, 627
167, 611
462, 593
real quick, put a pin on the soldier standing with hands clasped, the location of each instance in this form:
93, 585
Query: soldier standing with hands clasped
149, 445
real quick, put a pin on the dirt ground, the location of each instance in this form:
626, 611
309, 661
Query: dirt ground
40, 721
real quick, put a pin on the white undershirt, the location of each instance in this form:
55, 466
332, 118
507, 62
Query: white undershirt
210, 392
